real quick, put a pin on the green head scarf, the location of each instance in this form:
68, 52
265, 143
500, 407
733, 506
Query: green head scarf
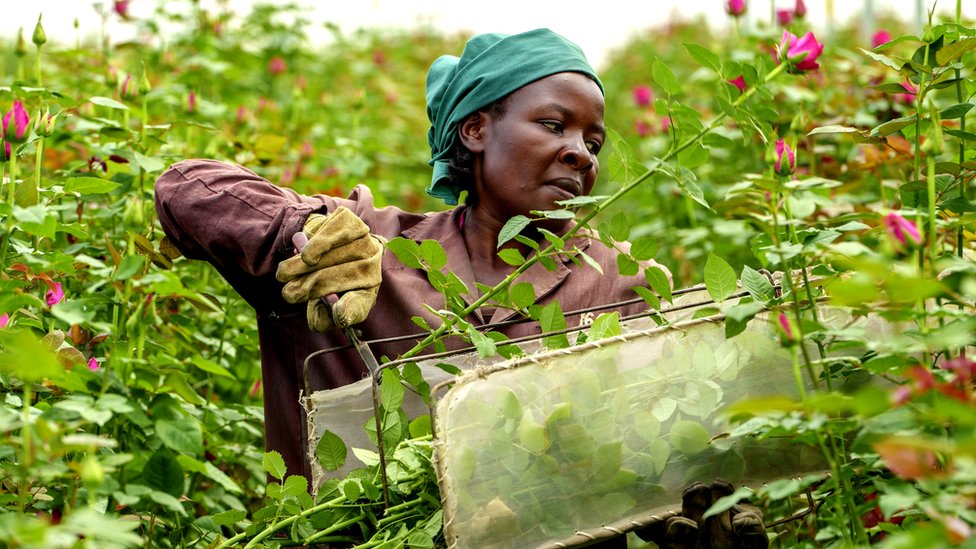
490, 67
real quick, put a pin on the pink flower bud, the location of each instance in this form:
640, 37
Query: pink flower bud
241, 116
93, 364
880, 37
908, 97
642, 128
121, 7
800, 53
643, 95
785, 17
783, 151
735, 8
786, 329
129, 88
901, 230
739, 83
277, 65
800, 9
4, 320
191, 101
16, 123
256, 389
55, 295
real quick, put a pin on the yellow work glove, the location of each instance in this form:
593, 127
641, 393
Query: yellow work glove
341, 257
740, 527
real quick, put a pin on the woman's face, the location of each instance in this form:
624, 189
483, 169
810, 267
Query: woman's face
541, 150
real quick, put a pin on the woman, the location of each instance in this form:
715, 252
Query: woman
517, 123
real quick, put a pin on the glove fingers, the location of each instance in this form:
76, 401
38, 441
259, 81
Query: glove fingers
319, 316
357, 275
655, 528
749, 531
338, 229
354, 306
361, 249
695, 500
680, 533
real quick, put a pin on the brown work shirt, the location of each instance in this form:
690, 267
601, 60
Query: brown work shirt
243, 224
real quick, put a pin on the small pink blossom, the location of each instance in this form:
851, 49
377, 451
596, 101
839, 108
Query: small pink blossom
277, 65
880, 37
903, 231
643, 95
666, 124
4, 320
800, 53
241, 114
643, 128
735, 8
129, 88
785, 17
786, 327
739, 83
191, 101
908, 97
16, 123
93, 364
256, 389
800, 9
121, 7
54, 295
783, 151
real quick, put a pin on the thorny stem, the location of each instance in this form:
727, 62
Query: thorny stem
11, 197
232, 542
450, 322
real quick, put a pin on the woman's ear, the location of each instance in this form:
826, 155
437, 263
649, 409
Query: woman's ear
471, 130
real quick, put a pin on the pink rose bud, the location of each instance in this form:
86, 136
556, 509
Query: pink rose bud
880, 37
129, 88
786, 334
735, 8
121, 7
93, 364
784, 152
277, 65
739, 83
54, 295
785, 17
642, 128
800, 53
901, 230
16, 123
241, 114
800, 9
908, 97
4, 320
191, 101
643, 95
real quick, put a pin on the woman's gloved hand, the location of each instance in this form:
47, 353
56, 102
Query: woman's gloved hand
740, 527
340, 257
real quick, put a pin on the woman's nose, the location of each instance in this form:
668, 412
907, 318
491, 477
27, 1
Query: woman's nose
576, 154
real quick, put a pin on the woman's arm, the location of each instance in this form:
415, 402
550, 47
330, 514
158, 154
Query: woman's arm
236, 220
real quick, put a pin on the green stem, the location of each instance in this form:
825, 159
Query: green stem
37, 67
232, 542
11, 197
931, 197
916, 169
27, 458
335, 527
549, 250
38, 161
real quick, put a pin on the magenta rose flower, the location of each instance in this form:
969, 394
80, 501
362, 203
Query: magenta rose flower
901, 230
16, 123
880, 37
93, 364
4, 320
786, 330
785, 17
277, 66
54, 296
739, 83
191, 102
643, 95
800, 53
800, 9
121, 7
735, 8
784, 152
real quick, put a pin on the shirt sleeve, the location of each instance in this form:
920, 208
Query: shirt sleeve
236, 220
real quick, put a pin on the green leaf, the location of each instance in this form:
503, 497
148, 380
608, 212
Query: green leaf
230, 517
74, 311
532, 435
758, 286
891, 126
688, 437
406, 251
485, 345
522, 294
391, 390
950, 53
130, 266
110, 103
659, 282
433, 254
330, 451
650, 297
704, 56
24, 356
822, 130
149, 164
512, 228
274, 464
604, 326
644, 248
725, 503
36, 220
295, 485
89, 185
665, 78
555, 214
211, 367
182, 435
551, 319
511, 256
719, 278
626, 265
590, 261
883, 59
162, 472
956, 111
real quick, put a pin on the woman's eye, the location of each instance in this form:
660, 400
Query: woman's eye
594, 146
553, 126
